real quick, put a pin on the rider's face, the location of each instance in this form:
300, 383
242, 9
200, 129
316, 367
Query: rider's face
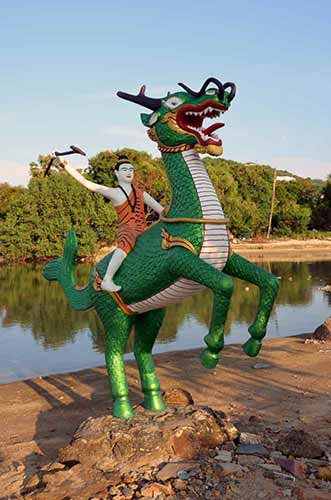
125, 173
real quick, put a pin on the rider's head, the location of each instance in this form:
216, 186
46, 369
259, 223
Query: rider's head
124, 170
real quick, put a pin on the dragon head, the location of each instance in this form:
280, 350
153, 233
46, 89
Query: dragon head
177, 120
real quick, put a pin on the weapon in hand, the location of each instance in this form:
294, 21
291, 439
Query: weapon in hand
73, 150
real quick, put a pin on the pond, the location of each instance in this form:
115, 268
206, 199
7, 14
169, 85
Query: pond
40, 334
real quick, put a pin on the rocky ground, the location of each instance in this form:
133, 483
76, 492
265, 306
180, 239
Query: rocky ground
272, 441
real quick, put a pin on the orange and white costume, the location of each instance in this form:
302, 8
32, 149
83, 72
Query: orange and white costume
132, 220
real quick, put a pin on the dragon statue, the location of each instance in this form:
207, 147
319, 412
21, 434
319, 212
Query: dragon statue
186, 250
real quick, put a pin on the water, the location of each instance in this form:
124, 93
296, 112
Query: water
40, 334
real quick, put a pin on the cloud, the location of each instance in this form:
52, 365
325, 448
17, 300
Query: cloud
14, 172
305, 167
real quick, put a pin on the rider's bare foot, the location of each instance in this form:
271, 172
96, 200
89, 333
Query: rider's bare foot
110, 286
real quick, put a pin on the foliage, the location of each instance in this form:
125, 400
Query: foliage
7, 195
321, 219
36, 220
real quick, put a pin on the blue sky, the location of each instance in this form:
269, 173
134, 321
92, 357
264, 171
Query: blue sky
62, 64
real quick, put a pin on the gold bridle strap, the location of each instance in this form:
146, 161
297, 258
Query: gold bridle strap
194, 221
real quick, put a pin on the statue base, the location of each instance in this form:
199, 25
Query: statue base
109, 457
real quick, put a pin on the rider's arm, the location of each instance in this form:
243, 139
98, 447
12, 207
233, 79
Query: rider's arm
107, 192
150, 202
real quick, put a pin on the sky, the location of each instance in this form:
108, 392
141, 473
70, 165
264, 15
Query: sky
63, 62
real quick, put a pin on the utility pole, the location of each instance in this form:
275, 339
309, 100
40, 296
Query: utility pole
272, 202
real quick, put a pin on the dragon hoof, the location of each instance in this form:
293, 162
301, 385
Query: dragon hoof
154, 402
252, 347
123, 408
209, 359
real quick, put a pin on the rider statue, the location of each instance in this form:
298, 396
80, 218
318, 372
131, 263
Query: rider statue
128, 201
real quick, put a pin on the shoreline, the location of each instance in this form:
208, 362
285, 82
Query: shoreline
275, 250
279, 250
292, 389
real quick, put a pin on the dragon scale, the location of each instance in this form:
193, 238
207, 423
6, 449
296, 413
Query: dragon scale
215, 247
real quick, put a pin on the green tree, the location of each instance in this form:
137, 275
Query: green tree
38, 220
7, 195
321, 218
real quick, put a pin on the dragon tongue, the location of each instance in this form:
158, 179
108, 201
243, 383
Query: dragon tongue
212, 128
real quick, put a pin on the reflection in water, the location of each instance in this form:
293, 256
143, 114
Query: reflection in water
36, 311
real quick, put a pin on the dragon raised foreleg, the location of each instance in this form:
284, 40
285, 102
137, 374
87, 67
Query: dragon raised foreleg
192, 267
268, 284
147, 327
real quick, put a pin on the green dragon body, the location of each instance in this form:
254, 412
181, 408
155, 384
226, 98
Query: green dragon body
154, 275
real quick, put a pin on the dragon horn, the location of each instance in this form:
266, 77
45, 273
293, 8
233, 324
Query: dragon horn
147, 102
233, 90
219, 84
188, 90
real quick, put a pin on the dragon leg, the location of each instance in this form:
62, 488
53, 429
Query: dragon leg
192, 267
147, 327
268, 284
117, 326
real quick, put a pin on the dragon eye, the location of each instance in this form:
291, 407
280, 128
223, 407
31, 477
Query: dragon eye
173, 102
211, 91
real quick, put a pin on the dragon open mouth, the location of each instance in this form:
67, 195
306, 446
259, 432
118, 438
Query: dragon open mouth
190, 118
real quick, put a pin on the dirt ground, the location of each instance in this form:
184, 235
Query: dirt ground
284, 250
39, 415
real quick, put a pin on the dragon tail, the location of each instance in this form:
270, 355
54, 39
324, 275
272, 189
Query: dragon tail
63, 270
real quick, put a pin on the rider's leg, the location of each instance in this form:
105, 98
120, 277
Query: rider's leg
115, 262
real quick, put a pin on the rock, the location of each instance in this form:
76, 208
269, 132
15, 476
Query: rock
281, 478
252, 449
261, 365
180, 484
11, 479
295, 467
32, 482
53, 467
224, 456
249, 438
249, 460
287, 493
228, 469
229, 446
156, 489
127, 493
148, 440
271, 467
274, 455
109, 456
177, 396
311, 494
323, 332
324, 473
114, 490
255, 419
182, 474
314, 463
171, 470
299, 443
